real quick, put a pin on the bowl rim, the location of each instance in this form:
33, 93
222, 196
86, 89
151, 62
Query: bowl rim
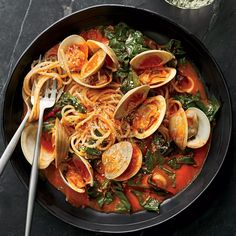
84, 224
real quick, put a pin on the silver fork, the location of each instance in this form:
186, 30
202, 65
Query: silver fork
47, 101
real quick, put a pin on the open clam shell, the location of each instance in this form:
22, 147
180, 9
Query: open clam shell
91, 74
53, 146
61, 143
178, 127
203, 130
77, 173
117, 159
130, 101
112, 61
150, 66
134, 165
150, 59
28, 138
157, 77
149, 116
72, 53
190, 128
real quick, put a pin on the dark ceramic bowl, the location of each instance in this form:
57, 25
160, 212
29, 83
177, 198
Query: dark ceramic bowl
160, 29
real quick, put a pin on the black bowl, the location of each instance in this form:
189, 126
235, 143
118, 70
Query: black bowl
161, 29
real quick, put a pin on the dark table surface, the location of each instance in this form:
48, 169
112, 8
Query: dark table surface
214, 213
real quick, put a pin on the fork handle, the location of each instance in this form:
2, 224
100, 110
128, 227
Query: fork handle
11, 146
34, 176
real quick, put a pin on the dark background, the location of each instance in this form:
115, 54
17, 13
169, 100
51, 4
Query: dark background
214, 213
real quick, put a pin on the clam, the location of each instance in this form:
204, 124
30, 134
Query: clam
150, 66
130, 101
111, 59
53, 147
28, 138
149, 116
91, 74
72, 53
77, 173
190, 128
61, 143
116, 159
203, 130
134, 165
178, 127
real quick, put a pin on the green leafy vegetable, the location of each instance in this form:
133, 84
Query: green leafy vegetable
130, 82
150, 204
126, 44
175, 163
124, 205
175, 46
91, 151
210, 109
152, 159
47, 126
106, 199
68, 99
160, 143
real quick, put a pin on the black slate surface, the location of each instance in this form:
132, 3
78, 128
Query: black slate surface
214, 213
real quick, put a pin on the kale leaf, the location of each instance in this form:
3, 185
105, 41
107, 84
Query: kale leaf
189, 100
68, 99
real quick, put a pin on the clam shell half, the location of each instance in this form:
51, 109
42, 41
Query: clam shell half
180, 123
65, 57
150, 66
150, 59
95, 45
28, 138
149, 116
130, 101
116, 159
204, 129
77, 173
